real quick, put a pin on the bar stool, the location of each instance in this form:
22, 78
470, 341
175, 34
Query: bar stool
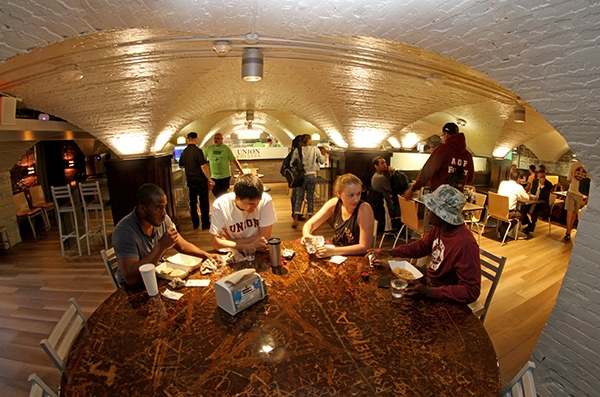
38, 200
96, 204
4, 232
24, 211
70, 207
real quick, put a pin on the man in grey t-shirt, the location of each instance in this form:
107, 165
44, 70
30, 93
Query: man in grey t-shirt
380, 182
146, 234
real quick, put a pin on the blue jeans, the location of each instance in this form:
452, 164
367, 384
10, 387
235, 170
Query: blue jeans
308, 188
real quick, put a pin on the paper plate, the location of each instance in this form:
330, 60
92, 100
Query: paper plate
188, 261
405, 265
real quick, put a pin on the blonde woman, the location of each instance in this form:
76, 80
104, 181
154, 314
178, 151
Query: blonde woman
352, 219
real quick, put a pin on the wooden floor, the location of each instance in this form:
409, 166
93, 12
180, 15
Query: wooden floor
36, 282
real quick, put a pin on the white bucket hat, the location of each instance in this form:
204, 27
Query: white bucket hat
447, 203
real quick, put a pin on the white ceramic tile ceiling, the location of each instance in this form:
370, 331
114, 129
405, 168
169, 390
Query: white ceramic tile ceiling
357, 69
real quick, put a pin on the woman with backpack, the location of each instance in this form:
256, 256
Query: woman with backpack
311, 158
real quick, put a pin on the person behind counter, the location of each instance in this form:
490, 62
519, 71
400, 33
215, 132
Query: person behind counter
454, 252
146, 234
243, 218
352, 219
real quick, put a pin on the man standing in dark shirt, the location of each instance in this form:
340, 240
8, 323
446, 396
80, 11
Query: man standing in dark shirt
198, 180
445, 160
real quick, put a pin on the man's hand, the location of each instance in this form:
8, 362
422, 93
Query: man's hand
169, 239
260, 244
408, 194
390, 170
379, 253
417, 291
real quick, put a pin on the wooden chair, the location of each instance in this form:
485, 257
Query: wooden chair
25, 212
491, 268
92, 191
69, 206
410, 219
499, 210
475, 216
112, 265
38, 200
5, 237
39, 388
522, 385
61, 338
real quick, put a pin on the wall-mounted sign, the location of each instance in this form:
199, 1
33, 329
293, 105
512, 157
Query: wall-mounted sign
260, 153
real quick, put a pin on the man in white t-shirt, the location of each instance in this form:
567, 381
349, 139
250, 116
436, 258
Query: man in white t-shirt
514, 192
243, 218
574, 199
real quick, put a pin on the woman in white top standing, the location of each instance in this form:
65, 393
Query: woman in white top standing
312, 157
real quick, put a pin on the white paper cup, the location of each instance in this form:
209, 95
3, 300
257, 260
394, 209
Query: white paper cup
149, 276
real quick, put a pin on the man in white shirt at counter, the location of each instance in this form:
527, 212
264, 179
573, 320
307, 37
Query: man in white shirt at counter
514, 192
243, 218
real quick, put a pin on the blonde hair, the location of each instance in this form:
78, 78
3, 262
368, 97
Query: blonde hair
344, 180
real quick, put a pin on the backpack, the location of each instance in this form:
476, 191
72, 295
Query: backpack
584, 186
293, 172
457, 180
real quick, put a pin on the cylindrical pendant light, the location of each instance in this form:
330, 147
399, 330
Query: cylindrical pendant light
519, 114
252, 64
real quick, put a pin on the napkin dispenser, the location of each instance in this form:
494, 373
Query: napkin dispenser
239, 290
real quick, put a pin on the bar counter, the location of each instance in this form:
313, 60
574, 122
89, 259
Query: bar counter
321, 331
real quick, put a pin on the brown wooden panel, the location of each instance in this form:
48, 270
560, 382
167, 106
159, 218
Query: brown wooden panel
126, 176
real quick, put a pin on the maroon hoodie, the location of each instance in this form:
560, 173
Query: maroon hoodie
443, 161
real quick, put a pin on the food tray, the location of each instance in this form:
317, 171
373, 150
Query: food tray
165, 265
405, 265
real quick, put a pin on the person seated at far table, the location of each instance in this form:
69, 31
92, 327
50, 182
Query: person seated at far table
514, 192
541, 188
243, 218
455, 268
352, 219
146, 234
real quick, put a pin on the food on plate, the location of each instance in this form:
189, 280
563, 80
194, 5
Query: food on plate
177, 273
403, 273
166, 271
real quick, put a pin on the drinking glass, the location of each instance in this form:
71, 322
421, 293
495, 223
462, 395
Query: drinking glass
398, 286
249, 252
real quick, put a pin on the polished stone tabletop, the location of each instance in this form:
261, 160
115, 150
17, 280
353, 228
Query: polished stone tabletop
321, 331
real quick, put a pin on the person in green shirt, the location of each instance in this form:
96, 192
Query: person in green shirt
219, 156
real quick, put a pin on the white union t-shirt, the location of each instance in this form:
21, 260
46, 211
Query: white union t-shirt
240, 224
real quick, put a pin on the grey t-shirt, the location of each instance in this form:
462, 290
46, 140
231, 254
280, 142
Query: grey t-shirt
130, 241
381, 183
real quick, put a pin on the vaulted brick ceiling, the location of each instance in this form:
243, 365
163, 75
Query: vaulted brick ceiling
360, 71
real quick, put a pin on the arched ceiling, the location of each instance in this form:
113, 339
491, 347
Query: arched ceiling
342, 67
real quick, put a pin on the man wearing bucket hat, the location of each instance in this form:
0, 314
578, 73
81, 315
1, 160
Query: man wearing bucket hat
455, 269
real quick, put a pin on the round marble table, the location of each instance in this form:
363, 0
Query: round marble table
321, 331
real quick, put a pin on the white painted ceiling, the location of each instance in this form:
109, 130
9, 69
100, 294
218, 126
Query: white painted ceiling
349, 69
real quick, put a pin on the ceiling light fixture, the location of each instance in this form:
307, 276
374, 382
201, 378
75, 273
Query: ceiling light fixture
222, 48
316, 137
519, 113
252, 65
461, 122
